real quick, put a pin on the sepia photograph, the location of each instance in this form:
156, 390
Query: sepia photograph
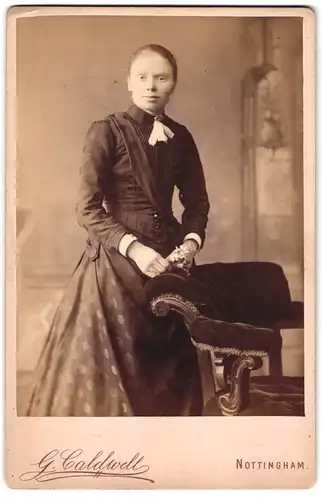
158, 202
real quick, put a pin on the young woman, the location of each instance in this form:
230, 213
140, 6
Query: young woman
106, 354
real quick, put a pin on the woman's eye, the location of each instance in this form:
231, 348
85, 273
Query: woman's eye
141, 77
162, 78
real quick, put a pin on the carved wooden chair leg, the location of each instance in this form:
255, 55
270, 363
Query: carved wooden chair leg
222, 367
218, 372
237, 397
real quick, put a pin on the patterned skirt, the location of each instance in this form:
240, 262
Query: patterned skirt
107, 355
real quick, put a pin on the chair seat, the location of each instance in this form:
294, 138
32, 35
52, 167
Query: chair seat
269, 396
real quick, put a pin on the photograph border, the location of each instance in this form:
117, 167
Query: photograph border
200, 471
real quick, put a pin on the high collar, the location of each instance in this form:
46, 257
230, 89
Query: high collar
140, 116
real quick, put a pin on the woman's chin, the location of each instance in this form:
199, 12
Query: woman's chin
151, 107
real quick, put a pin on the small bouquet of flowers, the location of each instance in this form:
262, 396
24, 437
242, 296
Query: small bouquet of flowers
178, 259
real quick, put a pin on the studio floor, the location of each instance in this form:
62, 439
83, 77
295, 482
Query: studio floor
268, 397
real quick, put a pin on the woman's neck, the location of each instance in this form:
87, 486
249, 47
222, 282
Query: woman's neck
149, 112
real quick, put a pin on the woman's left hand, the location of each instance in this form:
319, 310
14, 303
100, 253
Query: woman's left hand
189, 249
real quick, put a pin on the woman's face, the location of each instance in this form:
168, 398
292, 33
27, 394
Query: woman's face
151, 82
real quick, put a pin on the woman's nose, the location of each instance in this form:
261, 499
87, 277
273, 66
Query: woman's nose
150, 84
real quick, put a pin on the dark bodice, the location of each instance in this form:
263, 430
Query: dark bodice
135, 182
123, 187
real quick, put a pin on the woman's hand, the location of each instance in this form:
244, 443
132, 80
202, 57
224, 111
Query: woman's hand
190, 248
150, 262
187, 250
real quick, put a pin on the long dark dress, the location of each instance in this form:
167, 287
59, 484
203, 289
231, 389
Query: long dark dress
106, 354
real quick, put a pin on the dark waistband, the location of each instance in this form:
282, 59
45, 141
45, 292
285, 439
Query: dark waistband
148, 211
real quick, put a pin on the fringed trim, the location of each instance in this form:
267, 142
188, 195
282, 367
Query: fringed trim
230, 351
176, 298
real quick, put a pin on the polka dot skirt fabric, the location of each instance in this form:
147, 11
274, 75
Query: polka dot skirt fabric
106, 355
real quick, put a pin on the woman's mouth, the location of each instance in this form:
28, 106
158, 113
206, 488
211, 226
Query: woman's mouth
151, 97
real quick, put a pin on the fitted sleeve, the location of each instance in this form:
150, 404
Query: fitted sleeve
192, 189
95, 176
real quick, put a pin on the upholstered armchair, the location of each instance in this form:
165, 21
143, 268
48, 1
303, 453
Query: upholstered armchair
235, 311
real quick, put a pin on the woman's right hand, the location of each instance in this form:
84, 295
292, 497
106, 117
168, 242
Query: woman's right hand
150, 262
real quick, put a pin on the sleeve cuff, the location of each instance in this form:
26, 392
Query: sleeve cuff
125, 242
194, 236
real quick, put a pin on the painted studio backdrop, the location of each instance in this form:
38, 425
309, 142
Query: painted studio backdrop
239, 93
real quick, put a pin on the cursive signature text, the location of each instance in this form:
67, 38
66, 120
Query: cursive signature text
62, 464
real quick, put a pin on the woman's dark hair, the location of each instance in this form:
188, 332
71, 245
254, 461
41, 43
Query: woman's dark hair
158, 49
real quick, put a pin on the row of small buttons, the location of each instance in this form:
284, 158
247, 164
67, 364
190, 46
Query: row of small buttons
156, 224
